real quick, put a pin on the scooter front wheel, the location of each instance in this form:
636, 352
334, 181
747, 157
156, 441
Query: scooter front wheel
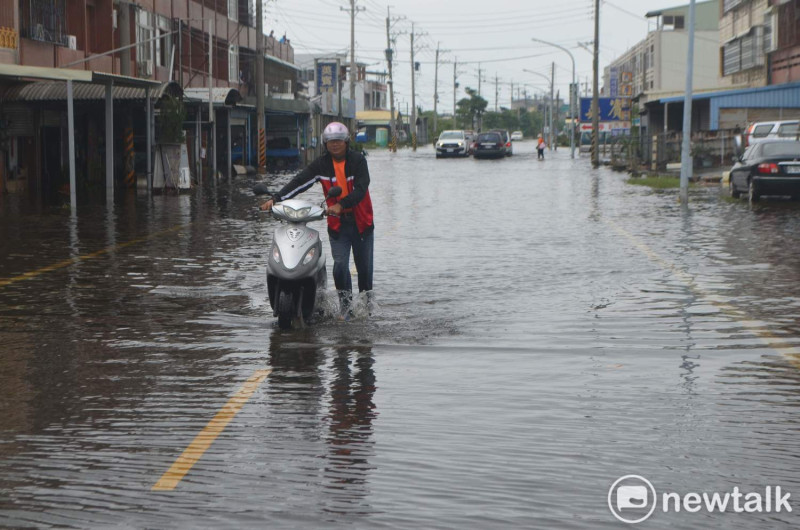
285, 309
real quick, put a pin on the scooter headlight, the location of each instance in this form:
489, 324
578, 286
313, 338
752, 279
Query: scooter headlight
309, 256
276, 255
291, 213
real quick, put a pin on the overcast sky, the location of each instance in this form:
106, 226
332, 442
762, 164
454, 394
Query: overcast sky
493, 34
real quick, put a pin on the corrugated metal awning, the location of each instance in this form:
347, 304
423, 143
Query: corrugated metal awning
219, 95
57, 91
17, 71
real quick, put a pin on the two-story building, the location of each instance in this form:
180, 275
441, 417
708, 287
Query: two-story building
203, 51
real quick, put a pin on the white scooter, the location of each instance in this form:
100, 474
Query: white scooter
296, 273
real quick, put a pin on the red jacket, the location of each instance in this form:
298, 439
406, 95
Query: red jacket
321, 169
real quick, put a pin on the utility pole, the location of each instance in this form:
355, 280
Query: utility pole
413, 95
552, 103
213, 122
496, 90
596, 88
455, 90
262, 133
686, 157
479, 79
353, 72
389, 53
436, 93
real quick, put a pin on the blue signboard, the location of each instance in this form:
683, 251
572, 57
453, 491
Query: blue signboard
613, 82
326, 77
611, 109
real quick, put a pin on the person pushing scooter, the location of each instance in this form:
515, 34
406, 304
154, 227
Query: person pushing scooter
350, 220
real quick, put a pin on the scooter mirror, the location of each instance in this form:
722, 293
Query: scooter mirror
334, 192
261, 189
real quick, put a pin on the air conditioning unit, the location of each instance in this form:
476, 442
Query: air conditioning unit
72, 42
287, 86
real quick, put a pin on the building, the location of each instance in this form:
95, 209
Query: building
657, 64
203, 51
746, 33
782, 41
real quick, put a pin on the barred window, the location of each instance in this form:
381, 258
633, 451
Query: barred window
731, 58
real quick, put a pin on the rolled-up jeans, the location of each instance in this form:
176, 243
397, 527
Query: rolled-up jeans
362, 245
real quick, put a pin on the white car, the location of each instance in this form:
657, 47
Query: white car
516, 135
452, 143
784, 130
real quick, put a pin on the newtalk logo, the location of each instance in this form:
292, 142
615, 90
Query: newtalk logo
633, 499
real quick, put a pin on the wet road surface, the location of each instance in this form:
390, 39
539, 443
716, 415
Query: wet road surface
543, 330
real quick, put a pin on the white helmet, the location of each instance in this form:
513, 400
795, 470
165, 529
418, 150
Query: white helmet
335, 131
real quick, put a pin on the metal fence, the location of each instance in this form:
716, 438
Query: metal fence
709, 149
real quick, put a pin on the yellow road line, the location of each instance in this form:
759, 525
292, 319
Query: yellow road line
78, 259
790, 352
170, 479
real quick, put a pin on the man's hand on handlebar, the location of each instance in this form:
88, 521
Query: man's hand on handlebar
267, 206
336, 209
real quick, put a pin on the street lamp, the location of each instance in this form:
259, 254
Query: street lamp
571, 96
549, 82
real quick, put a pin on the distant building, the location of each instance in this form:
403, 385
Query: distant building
657, 64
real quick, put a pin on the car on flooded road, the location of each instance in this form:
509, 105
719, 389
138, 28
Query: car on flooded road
770, 167
490, 145
508, 148
453, 143
517, 136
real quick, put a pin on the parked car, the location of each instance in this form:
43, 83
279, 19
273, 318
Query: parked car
516, 135
785, 130
452, 143
506, 141
490, 145
770, 167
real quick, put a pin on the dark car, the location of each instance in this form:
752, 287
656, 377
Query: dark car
506, 140
771, 167
489, 145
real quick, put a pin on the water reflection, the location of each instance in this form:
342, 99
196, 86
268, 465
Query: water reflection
351, 411
333, 388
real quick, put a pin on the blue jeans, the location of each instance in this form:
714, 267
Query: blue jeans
362, 256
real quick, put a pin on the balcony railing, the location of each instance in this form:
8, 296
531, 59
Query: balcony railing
43, 20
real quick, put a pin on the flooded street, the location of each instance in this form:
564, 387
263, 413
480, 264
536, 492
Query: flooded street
543, 330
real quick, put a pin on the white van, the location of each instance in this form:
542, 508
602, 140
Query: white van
771, 130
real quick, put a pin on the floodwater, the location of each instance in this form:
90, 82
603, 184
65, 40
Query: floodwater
543, 330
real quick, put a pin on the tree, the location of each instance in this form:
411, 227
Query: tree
471, 109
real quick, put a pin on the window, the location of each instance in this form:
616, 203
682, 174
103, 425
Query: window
788, 130
144, 32
731, 57
679, 24
744, 52
233, 10
727, 5
762, 131
781, 149
43, 20
164, 43
233, 64
770, 42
